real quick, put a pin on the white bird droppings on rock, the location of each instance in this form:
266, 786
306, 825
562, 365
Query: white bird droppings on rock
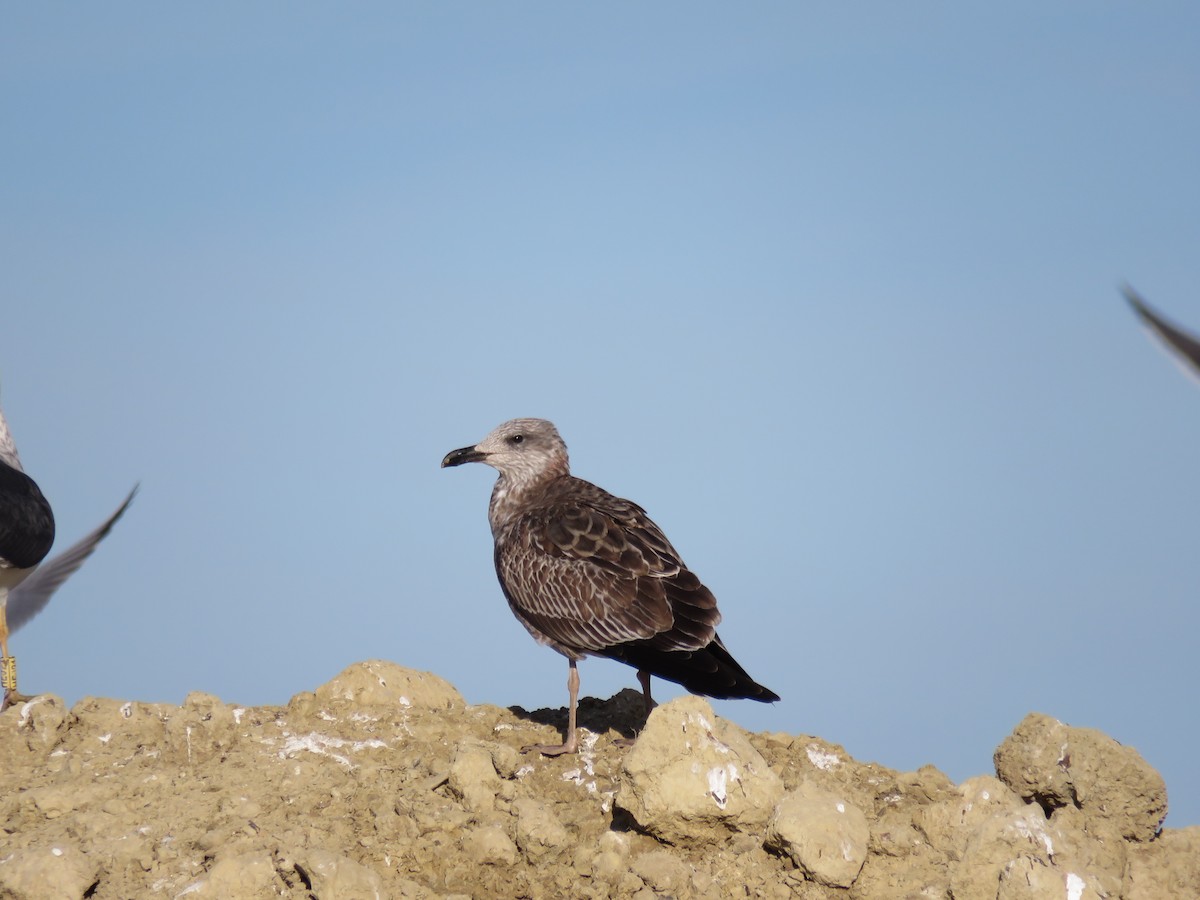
717, 780
822, 759
324, 745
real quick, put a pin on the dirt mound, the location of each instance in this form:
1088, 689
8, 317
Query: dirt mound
385, 783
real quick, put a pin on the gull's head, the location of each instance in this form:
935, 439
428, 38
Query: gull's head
523, 450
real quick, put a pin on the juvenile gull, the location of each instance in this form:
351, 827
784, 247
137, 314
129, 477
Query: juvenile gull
26, 534
1184, 345
589, 574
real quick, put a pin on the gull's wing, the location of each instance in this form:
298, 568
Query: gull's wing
589, 571
1184, 345
30, 597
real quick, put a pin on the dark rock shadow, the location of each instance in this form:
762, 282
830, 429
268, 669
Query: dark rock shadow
624, 712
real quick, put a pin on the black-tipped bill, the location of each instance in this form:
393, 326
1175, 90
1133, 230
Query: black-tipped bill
465, 455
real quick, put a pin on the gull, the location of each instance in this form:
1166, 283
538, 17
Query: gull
589, 574
26, 535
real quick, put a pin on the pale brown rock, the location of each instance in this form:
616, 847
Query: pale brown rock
824, 834
249, 876
948, 825
1026, 878
332, 876
407, 889
329, 797
490, 846
1092, 848
693, 779
1017, 853
473, 778
203, 729
58, 870
506, 760
380, 683
994, 844
29, 730
1168, 866
540, 835
1035, 761
662, 872
1056, 765
608, 866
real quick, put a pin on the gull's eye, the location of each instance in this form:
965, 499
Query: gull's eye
517, 439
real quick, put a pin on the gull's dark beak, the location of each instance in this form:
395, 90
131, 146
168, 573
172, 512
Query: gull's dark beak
465, 455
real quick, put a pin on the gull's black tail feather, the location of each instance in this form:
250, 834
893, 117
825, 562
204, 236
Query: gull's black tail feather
710, 671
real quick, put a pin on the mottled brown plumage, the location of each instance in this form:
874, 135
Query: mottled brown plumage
590, 574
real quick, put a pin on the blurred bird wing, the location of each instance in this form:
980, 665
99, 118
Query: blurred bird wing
1182, 344
30, 597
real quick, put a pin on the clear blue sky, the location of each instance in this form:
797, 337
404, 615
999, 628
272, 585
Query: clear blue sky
831, 290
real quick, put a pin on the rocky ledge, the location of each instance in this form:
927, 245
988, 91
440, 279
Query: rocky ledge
384, 783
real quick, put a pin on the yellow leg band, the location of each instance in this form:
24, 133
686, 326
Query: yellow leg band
8, 673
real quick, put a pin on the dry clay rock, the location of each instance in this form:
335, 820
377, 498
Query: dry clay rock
372, 786
824, 833
693, 779
1058, 766
249, 876
539, 833
332, 876
36, 873
1018, 853
1168, 866
31, 730
377, 682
